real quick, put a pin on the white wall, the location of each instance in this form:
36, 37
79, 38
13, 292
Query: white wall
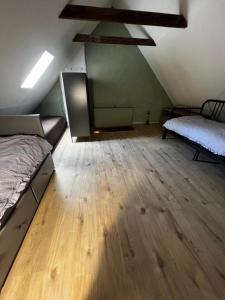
190, 63
27, 29
77, 61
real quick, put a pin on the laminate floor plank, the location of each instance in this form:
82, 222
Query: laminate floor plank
127, 216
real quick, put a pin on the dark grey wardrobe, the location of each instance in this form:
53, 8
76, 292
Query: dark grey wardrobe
75, 96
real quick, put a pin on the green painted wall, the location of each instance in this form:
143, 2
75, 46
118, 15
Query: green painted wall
121, 77
52, 105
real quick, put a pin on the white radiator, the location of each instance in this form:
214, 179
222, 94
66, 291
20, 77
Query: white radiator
113, 117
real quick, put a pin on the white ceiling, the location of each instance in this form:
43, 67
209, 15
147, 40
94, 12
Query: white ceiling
27, 29
188, 62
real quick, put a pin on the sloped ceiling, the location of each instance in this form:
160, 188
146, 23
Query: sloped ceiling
27, 29
188, 62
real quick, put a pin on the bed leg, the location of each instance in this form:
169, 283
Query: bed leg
196, 156
164, 134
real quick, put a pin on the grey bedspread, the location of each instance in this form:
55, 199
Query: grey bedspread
20, 155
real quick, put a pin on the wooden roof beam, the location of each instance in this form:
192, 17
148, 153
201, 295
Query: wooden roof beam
113, 40
90, 13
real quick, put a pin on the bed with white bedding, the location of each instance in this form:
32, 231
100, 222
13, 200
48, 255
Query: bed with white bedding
20, 156
205, 132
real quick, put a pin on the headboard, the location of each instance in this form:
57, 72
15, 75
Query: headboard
214, 110
21, 124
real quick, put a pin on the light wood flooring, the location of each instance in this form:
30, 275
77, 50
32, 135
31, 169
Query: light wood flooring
127, 216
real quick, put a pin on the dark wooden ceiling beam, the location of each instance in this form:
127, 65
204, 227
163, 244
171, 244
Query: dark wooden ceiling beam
113, 40
78, 12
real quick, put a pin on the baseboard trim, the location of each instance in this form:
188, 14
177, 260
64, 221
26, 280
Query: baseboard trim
143, 123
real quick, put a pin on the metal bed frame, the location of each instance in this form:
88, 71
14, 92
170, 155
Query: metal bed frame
213, 110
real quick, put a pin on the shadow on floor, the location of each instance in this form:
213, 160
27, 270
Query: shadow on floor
149, 251
128, 269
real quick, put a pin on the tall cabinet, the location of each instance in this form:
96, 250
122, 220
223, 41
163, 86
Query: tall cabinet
75, 97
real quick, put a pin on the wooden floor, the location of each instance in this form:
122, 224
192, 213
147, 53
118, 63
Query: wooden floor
126, 217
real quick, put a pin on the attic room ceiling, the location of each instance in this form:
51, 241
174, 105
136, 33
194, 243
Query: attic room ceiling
27, 29
125, 16
189, 63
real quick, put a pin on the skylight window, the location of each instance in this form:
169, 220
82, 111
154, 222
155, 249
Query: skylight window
38, 70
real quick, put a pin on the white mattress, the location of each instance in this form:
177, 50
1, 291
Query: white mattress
20, 155
207, 133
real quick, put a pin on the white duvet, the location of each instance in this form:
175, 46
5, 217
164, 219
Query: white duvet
20, 155
207, 133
